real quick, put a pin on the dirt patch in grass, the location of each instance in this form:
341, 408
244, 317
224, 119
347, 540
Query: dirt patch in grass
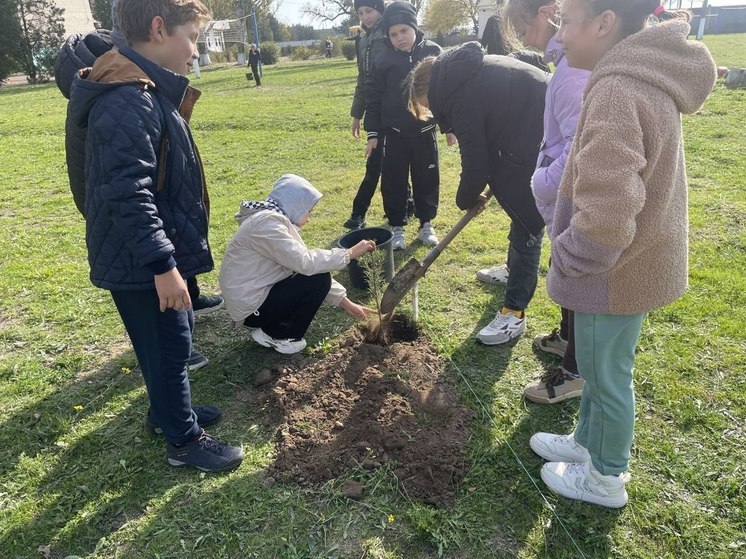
367, 406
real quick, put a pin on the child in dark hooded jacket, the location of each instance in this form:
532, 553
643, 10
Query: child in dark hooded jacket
495, 106
408, 145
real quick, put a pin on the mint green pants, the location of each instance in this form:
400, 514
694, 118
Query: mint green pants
605, 351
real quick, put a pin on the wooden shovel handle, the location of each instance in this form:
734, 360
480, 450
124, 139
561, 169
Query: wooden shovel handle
445, 241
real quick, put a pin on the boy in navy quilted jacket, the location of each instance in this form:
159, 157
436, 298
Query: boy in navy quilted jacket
146, 209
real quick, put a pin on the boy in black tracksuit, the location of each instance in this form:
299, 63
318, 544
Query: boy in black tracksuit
407, 144
369, 45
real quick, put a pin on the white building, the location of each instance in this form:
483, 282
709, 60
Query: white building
78, 16
486, 9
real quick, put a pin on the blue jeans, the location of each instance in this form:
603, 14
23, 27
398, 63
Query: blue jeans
524, 253
162, 342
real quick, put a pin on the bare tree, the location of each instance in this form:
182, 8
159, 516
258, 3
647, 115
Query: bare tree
471, 9
329, 10
441, 16
42, 31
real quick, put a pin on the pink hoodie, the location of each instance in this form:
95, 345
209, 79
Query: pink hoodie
563, 102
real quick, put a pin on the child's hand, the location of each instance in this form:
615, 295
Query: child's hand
451, 139
361, 248
356, 128
370, 147
353, 309
172, 291
481, 203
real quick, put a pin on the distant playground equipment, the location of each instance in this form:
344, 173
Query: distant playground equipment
219, 34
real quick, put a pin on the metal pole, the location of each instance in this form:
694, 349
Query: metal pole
241, 57
702, 20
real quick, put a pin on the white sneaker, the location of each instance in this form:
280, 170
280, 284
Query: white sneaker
502, 329
492, 276
286, 347
398, 242
559, 448
583, 482
426, 234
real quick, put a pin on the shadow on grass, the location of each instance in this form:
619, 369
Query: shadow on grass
503, 484
87, 483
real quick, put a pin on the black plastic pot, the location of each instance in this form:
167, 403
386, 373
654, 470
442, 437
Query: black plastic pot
383, 238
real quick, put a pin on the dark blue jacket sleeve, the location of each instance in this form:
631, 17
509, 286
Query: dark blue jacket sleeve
374, 87
127, 152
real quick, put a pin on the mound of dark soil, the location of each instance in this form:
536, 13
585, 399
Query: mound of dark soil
369, 405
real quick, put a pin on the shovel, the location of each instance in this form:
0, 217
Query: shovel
412, 271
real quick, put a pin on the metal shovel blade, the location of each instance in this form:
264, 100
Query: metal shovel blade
402, 282
413, 270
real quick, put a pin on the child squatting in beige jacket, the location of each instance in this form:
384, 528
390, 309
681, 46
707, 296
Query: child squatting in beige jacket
272, 282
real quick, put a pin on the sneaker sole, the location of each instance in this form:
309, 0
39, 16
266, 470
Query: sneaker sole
490, 342
227, 467
546, 349
284, 351
584, 495
546, 400
492, 281
198, 366
271, 345
208, 310
549, 457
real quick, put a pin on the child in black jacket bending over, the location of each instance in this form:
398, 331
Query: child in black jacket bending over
495, 107
408, 145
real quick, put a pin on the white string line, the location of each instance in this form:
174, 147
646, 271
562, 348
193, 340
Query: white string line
515, 455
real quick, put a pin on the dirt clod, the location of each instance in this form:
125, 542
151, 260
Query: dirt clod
393, 443
263, 377
352, 489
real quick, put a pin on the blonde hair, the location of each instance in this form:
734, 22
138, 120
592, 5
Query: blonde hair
416, 85
135, 16
526, 11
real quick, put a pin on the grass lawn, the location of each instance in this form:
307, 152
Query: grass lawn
79, 476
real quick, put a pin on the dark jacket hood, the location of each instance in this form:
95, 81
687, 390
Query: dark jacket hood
78, 52
450, 72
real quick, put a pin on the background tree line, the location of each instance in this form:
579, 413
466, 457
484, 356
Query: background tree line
31, 32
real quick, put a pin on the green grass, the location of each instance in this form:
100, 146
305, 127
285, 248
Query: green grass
79, 474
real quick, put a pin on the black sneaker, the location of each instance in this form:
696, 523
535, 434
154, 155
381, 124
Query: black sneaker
206, 416
205, 304
205, 453
355, 222
196, 361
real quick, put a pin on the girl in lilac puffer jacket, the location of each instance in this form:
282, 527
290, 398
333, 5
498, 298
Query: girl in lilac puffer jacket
535, 23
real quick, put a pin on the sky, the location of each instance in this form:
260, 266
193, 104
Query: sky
290, 13
290, 10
